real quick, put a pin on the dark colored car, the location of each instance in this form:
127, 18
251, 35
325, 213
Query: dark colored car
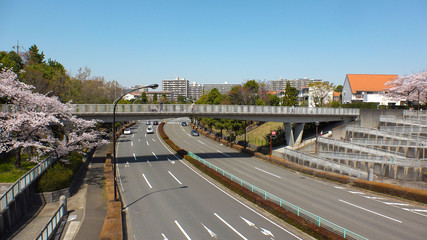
194, 133
155, 123
184, 124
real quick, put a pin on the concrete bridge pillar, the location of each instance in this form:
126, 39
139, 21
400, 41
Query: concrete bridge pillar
293, 136
289, 134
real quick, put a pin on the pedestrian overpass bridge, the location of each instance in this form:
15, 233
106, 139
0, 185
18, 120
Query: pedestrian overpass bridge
130, 112
288, 115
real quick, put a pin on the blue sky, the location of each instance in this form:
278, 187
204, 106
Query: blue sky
215, 41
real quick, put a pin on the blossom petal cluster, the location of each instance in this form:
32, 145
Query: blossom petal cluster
31, 120
411, 87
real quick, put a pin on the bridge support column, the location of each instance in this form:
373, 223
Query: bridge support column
289, 134
293, 136
299, 130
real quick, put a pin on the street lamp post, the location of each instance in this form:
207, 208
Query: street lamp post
152, 86
317, 134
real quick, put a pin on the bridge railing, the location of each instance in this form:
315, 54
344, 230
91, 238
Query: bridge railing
321, 222
53, 223
23, 182
201, 108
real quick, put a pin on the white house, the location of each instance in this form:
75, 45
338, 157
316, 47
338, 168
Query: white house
366, 88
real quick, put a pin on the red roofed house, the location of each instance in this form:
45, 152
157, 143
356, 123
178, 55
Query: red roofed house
366, 88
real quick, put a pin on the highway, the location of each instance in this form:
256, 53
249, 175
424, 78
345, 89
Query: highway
370, 215
165, 198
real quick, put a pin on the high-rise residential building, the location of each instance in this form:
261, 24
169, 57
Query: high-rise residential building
223, 88
277, 85
195, 91
179, 86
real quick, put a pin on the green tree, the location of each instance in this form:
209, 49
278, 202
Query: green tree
290, 98
181, 99
144, 98
338, 88
34, 57
274, 100
12, 61
155, 98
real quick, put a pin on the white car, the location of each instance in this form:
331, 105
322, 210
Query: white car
127, 131
149, 130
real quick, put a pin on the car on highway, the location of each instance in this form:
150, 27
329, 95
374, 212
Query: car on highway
184, 124
127, 131
148, 123
149, 130
194, 133
155, 123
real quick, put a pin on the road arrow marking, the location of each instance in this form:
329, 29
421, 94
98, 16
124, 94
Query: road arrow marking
266, 232
210, 231
127, 164
249, 222
231, 227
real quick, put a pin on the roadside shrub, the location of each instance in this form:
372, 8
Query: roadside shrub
55, 178
74, 162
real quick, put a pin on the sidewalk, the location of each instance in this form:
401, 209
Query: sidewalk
83, 222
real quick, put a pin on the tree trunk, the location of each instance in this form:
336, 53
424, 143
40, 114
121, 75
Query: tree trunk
18, 158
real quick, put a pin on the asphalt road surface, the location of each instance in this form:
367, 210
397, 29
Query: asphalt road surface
166, 199
370, 215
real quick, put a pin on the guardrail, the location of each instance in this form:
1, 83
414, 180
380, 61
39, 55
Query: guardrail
53, 223
327, 164
23, 182
321, 222
410, 120
374, 131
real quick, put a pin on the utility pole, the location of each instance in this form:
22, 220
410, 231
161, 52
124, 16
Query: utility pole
17, 48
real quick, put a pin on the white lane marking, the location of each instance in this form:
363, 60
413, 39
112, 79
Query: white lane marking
182, 230
153, 139
147, 143
259, 169
134, 156
127, 164
379, 214
416, 211
147, 181
235, 199
133, 135
155, 155
223, 153
267, 232
71, 230
241, 203
149, 163
173, 162
164, 237
231, 227
145, 135
131, 143
249, 222
396, 204
356, 192
201, 142
210, 231
139, 140
375, 198
174, 177
339, 187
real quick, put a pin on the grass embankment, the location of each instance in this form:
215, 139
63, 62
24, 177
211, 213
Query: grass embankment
8, 172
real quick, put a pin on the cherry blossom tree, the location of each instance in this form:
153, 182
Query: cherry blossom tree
35, 121
408, 88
